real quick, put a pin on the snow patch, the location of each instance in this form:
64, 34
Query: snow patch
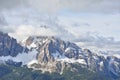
25, 58
69, 48
33, 45
57, 55
82, 61
101, 65
32, 62
117, 55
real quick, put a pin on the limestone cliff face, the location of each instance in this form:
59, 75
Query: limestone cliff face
54, 55
9, 46
51, 50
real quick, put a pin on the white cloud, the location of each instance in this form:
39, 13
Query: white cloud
23, 24
105, 24
93, 40
24, 31
24, 17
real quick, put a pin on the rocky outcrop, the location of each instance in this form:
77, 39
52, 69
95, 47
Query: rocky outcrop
9, 46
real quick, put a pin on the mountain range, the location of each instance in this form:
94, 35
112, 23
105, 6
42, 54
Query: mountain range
48, 53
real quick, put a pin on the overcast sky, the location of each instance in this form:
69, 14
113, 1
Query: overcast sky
90, 23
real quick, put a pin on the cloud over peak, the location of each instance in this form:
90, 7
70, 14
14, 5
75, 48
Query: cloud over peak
67, 19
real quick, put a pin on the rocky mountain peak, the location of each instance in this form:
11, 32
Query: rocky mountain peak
54, 55
9, 45
51, 50
52, 45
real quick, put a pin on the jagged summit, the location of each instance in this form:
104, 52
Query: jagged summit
31, 39
53, 51
52, 45
54, 55
9, 45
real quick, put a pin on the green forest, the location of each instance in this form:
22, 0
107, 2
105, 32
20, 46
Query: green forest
8, 72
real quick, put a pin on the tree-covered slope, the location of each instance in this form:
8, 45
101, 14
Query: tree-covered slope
24, 73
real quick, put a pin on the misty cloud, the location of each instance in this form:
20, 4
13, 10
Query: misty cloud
100, 42
100, 6
67, 19
2, 20
44, 26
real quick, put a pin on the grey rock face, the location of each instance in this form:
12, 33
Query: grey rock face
48, 46
9, 46
51, 49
